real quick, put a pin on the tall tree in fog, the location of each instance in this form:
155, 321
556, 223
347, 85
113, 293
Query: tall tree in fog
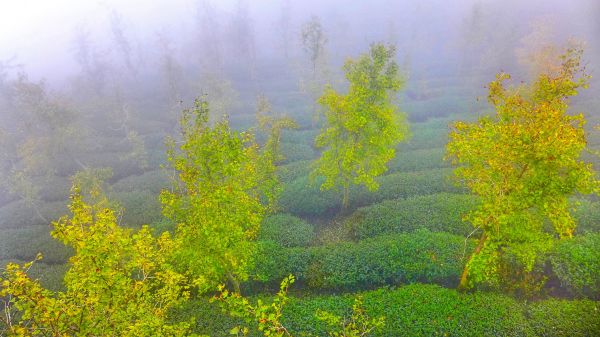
524, 163
242, 37
218, 198
94, 68
209, 49
284, 25
362, 128
538, 51
47, 138
171, 70
314, 41
117, 28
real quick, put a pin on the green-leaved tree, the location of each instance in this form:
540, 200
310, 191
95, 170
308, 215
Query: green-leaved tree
363, 127
119, 282
221, 192
524, 162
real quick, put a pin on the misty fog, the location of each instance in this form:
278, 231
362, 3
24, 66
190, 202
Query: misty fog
98, 85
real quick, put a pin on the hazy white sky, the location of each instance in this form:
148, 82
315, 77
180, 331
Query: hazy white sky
38, 32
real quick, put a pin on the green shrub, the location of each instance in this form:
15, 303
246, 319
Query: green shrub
26, 242
418, 160
53, 189
152, 181
421, 256
293, 152
422, 310
405, 185
419, 310
287, 230
273, 263
425, 137
50, 275
576, 263
440, 212
21, 214
587, 217
555, 317
139, 207
292, 171
300, 197
306, 137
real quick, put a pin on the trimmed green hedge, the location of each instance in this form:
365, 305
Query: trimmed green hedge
416, 160
423, 310
300, 197
440, 212
139, 207
421, 256
587, 217
555, 317
50, 275
576, 263
296, 151
153, 181
25, 243
286, 230
18, 214
292, 171
420, 310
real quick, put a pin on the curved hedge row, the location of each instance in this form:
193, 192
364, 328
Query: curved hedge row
576, 263
440, 212
293, 152
587, 216
286, 230
300, 197
421, 256
417, 160
153, 181
423, 310
25, 243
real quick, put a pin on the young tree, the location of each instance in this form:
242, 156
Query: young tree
313, 41
218, 198
119, 282
284, 25
242, 38
122, 44
362, 127
46, 135
272, 125
524, 162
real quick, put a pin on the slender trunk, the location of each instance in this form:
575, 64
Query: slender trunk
464, 277
234, 282
345, 198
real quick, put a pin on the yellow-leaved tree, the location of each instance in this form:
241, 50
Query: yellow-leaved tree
222, 189
119, 281
524, 163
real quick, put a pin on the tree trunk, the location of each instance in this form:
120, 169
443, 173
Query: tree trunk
345, 198
235, 283
464, 277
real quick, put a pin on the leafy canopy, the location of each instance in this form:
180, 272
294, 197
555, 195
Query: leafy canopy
119, 282
219, 197
524, 162
362, 127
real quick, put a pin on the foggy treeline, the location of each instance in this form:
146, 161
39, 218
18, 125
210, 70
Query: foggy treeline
116, 79
90, 90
